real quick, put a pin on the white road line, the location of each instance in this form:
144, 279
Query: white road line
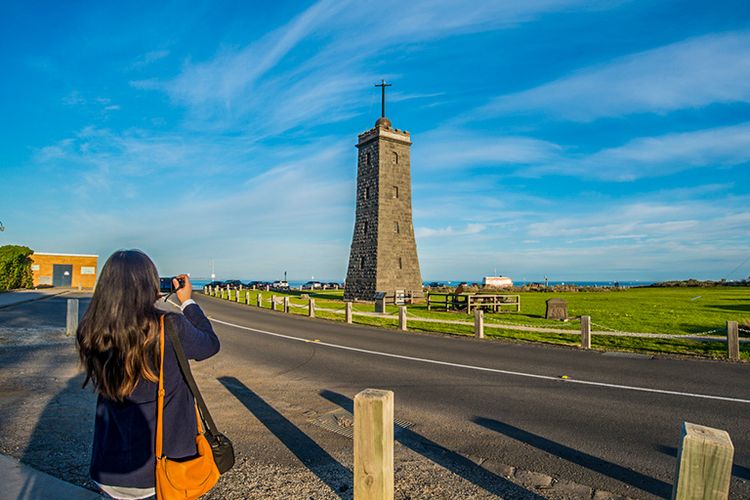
484, 369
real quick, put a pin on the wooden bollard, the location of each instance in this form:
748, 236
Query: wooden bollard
273, 302
348, 312
311, 308
704, 464
247, 298
479, 323
238, 296
286, 304
402, 318
733, 341
260, 300
373, 445
586, 332
71, 323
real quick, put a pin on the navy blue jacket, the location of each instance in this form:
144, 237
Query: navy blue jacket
124, 432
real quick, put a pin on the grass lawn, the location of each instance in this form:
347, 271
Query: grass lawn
650, 310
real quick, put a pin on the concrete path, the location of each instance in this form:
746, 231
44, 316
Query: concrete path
22, 482
15, 297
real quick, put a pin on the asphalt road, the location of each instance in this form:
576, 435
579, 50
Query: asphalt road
619, 439
467, 401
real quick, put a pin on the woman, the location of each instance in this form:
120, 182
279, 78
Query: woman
118, 343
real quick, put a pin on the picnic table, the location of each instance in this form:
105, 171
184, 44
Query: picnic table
471, 301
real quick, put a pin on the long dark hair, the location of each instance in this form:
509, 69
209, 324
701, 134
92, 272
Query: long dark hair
118, 335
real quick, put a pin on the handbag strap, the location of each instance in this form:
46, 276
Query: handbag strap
188, 375
160, 401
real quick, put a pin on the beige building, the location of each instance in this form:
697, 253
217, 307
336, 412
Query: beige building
64, 270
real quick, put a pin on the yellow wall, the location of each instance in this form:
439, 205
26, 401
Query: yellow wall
45, 262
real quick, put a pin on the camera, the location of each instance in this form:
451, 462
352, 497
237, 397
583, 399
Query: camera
167, 286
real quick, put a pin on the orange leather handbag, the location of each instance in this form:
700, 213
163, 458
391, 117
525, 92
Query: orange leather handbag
185, 478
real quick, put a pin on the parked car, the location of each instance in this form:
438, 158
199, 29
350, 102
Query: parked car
233, 284
215, 283
312, 285
331, 286
280, 284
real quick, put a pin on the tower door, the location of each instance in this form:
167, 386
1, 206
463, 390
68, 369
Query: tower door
62, 275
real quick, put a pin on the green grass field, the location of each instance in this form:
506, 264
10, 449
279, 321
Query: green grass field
651, 310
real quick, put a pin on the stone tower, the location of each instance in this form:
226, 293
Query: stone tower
383, 255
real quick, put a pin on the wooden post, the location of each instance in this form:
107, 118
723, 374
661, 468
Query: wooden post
479, 323
704, 464
273, 302
733, 341
586, 332
72, 318
311, 308
247, 297
286, 304
348, 312
260, 300
402, 318
373, 445
237, 296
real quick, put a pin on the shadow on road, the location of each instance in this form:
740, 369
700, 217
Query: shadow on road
444, 457
60, 443
596, 464
738, 471
315, 458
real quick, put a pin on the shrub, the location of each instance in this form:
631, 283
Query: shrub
15, 267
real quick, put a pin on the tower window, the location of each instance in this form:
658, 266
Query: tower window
395, 192
396, 227
400, 263
364, 227
361, 262
395, 158
366, 193
367, 158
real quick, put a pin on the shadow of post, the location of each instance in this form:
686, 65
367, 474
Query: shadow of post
444, 457
596, 464
315, 458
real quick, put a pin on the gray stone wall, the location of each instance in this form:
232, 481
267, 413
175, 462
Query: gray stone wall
384, 252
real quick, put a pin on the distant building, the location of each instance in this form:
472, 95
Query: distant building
497, 282
64, 269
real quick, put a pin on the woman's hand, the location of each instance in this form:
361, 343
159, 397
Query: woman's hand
185, 292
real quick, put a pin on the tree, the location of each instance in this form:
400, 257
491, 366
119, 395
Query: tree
15, 267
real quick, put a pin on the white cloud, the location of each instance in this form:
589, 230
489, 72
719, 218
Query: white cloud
250, 87
426, 232
687, 74
658, 156
447, 148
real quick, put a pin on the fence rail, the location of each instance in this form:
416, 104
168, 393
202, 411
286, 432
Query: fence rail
403, 316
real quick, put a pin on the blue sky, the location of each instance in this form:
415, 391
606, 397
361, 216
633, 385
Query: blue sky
579, 140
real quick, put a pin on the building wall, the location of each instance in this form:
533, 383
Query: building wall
42, 266
383, 253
